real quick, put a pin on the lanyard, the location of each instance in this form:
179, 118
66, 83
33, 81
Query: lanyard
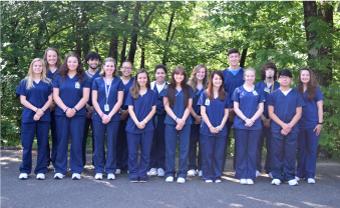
268, 87
107, 91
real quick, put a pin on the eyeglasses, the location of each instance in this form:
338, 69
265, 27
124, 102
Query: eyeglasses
126, 68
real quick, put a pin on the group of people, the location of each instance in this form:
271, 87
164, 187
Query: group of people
128, 114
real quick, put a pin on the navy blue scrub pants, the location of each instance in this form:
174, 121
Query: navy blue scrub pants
212, 156
122, 148
307, 147
67, 127
225, 153
145, 142
99, 130
194, 140
284, 156
28, 130
54, 141
171, 135
157, 155
88, 122
266, 133
246, 142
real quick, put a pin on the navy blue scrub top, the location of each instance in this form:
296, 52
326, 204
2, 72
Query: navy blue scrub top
99, 86
231, 81
126, 92
179, 106
310, 119
95, 76
195, 106
69, 94
215, 113
266, 91
285, 108
50, 74
160, 105
248, 104
142, 107
37, 96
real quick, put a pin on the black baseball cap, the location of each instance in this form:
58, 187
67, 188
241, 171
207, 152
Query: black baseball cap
285, 72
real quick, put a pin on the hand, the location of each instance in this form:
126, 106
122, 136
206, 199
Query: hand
318, 129
179, 127
141, 125
39, 112
89, 111
284, 132
266, 123
249, 123
36, 117
52, 107
217, 129
286, 127
124, 114
180, 121
70, 112
213, 130
106, 119
231, 114
198, 120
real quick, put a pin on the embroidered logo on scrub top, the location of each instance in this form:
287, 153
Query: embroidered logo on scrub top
77, 85
207, 102
254, 92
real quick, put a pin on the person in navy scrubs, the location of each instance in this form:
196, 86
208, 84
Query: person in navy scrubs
35, 95
122, 148
142, 102
107, 97
177, 98
267, 85
213, 131
310, 124
157, 155
284, 109
233, 78
198, 82
52, 62
93, 60
248, 106
71, 90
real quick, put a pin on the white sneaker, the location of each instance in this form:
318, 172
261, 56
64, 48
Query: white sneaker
40, 176
208, 181
218, 181
117, 171
297, 178
191, 172
258, 173
250, 182
200, 173
98, 176
293, 182
58, 176
311, 180
76, 176
152, 172
111, 176
270, 175
276, 182
169, 179
160, 172
180, 180
243, 181
23, 176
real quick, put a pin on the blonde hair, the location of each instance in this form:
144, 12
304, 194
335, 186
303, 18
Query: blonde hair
193, 79
248, 69
29, 77
109, 59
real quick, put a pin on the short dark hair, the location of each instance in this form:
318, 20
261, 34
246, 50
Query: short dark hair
233, 50
266, 66
161, 67
285, 72
127, 62
92, 55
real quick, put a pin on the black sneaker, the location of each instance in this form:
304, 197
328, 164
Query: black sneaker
134, 180
143, 180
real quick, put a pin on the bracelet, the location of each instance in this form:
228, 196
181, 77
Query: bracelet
245, 119
65, 109
176, 119
101, 116
220, 128
320, 123
75, 109
145, 121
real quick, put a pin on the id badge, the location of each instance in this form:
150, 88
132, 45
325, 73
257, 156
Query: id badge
106, 107
266, 90
77, 85
255, 93
207, 102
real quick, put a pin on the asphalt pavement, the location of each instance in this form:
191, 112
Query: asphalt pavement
120, 192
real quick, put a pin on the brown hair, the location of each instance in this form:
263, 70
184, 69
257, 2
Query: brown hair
266, 66
210, 91
134, 90
109, 59
311, 86
193, 79
58, 63
172, 86
80, 69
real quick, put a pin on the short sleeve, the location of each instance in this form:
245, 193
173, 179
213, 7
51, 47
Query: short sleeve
95, 85
21, 90
270, 100
164, 92
50, 88
192, 95
319, 95
56, 82
228, 103
262, 97
235, 96
300, 102
202, 98
120, 86
129, 99
87, 83
154, 98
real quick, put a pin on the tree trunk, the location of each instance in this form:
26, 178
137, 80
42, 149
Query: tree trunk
113, 51
142, 57
122, 52
243, 57
167, 36
133, 44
